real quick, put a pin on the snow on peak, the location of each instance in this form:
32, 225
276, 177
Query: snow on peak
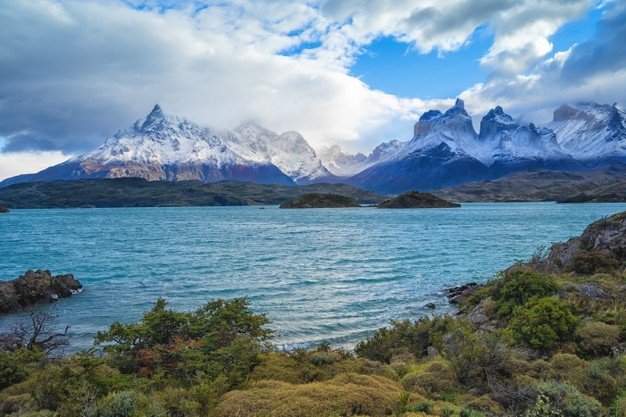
170, 140
345, 164
590, 131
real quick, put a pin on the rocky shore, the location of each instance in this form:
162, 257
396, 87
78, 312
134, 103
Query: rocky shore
36, 287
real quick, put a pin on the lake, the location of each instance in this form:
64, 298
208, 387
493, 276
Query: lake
320, 274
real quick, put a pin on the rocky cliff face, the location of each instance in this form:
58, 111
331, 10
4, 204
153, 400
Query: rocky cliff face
591, 132
35, 287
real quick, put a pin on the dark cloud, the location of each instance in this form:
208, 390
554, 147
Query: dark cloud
605, 52
28, 142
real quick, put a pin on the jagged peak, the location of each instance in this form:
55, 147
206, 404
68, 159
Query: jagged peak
458, 108
430, 114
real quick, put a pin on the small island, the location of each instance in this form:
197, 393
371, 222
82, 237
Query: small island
36, 287
3, 209
317, 200
415, 199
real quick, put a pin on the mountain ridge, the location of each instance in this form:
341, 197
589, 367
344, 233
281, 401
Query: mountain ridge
445, 151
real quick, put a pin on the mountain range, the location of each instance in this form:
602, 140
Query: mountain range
445, 150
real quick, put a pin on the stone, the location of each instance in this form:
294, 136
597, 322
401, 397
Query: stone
35, 287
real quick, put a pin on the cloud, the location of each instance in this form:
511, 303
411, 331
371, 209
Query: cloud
73, 72
12, 164
592, 70
605, 52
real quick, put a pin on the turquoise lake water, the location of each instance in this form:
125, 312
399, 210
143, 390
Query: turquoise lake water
320, 275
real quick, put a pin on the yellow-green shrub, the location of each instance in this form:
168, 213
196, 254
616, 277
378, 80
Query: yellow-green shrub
349, 394
597, 338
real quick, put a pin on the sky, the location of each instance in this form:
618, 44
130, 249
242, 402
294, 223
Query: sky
349, 72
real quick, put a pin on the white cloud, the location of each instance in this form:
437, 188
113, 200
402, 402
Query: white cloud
75, 71
16, 163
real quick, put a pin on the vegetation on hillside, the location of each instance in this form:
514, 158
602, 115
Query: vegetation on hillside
602, 185
530, 343
137, 192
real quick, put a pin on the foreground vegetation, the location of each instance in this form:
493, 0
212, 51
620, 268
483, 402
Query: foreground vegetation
545, 338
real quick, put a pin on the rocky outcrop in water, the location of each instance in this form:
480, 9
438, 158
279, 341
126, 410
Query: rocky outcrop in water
600, 247
4, 209
36, 287
416, 199
315, 200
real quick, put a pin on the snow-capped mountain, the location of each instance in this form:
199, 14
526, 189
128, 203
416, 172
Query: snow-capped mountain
345, 165
289, 151
167, 147
437, 156
506, 145
446, 150
590, 132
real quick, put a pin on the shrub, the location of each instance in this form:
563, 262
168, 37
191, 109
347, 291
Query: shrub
220, 338
424, 406
543, 408
568, 400
345, 395
11, 369
434, 382
543, 323
446, 412
590, 262
468, 412
403, 337
518, 286
597, 338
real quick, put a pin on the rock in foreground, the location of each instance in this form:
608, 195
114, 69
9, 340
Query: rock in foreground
35, 287
315, 200
415, 199
601, 247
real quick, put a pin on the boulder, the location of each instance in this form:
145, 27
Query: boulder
34, 287
457, 294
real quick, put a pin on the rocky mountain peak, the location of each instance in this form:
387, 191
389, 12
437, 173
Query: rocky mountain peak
455, 118
155, 117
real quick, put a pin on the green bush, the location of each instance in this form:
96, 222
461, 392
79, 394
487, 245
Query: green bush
403, 337
543, 323
518, 286
597, 338
11, 369
424, 406
468, 412
568, 400
220, 338
543, 408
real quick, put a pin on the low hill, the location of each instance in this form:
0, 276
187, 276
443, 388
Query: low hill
545, 186
416, 199
136, 192
316, 200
